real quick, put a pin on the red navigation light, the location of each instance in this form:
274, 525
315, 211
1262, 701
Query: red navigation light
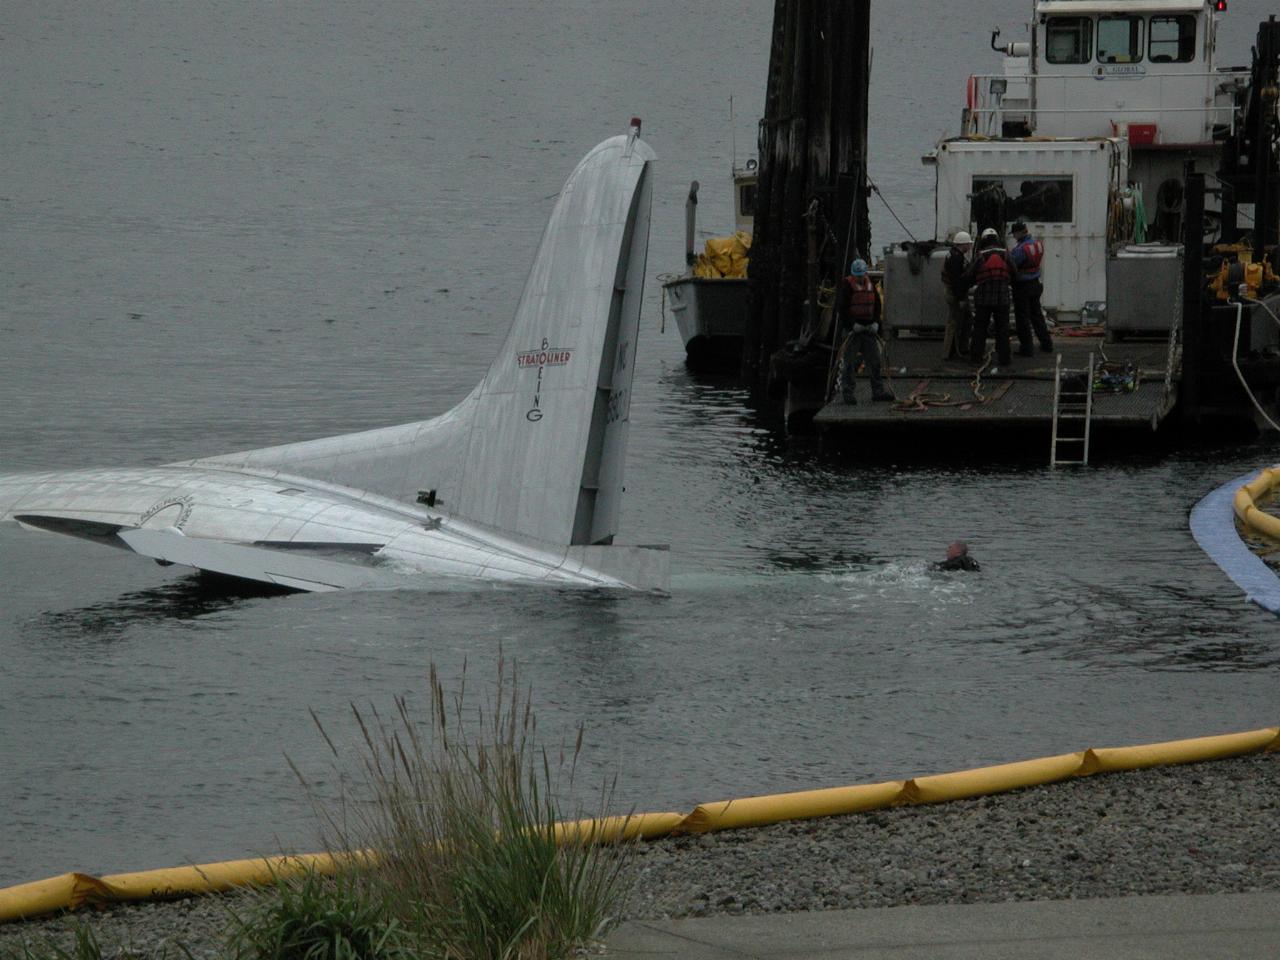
1220, 6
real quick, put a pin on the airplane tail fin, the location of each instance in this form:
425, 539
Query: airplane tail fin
538, 448
549, 429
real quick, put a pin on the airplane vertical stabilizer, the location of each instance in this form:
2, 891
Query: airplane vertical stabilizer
549, 428
538, 448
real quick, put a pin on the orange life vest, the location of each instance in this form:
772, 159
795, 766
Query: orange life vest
862, 299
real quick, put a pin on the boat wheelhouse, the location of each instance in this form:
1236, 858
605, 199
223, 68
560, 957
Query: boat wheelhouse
1087, 131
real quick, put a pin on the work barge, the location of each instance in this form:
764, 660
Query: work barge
957, 394
1148, 171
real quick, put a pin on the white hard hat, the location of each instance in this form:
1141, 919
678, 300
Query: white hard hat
990, 232
962, 236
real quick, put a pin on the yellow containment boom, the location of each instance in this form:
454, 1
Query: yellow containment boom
1256, 521
73, 890
963, 784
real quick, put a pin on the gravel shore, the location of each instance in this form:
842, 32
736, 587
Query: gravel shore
1205, 828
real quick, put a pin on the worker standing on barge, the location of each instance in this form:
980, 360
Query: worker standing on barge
1027, 256
859, 300
955, 342
991, 273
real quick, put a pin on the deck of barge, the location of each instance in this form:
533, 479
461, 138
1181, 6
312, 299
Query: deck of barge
952, 394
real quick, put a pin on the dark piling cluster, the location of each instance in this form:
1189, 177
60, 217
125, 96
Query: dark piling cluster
811, 215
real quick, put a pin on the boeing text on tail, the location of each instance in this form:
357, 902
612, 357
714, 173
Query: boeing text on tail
521, 481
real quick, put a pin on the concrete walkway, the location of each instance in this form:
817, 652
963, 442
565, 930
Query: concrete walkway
1228, 926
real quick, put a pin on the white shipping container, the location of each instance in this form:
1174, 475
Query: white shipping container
1061, 188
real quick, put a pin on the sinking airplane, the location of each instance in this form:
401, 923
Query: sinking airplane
521, 482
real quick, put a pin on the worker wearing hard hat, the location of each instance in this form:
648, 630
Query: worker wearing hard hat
955, 342
858, 301
991, 273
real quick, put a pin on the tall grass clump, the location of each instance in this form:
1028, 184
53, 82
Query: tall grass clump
314, 917
456, 817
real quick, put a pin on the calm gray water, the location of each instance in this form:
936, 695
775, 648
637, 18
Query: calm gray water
226, 225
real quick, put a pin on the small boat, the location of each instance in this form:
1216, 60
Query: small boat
709, 300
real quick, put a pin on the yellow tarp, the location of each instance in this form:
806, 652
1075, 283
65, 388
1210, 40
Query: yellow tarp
72, 890
724, 257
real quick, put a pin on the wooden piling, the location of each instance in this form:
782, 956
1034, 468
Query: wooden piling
812, 148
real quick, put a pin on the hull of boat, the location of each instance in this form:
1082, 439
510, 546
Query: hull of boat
711, 315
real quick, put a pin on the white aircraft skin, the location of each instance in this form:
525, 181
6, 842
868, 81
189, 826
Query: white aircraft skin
521, 482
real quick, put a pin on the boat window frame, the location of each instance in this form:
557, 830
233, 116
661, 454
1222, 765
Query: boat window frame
1012, 213
1086, 53
745, 208
1183, 42
1136, 44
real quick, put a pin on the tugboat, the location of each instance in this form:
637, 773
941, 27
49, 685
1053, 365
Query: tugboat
709, 300
1098, 135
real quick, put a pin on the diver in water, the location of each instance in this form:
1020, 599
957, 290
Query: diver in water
957, 558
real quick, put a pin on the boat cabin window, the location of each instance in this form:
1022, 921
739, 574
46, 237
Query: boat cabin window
1069, 40
1035, 198
1173, 39
747, 200
1119, 39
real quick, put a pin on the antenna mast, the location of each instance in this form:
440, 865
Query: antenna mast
733, 136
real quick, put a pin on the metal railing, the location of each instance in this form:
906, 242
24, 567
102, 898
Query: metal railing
985, 110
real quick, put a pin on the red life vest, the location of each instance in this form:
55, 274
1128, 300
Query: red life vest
862, 299
1032, 254
994, 268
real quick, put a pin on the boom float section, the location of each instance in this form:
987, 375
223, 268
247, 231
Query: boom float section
73, 890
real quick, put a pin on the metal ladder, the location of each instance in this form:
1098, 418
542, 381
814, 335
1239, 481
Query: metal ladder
1072, 417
